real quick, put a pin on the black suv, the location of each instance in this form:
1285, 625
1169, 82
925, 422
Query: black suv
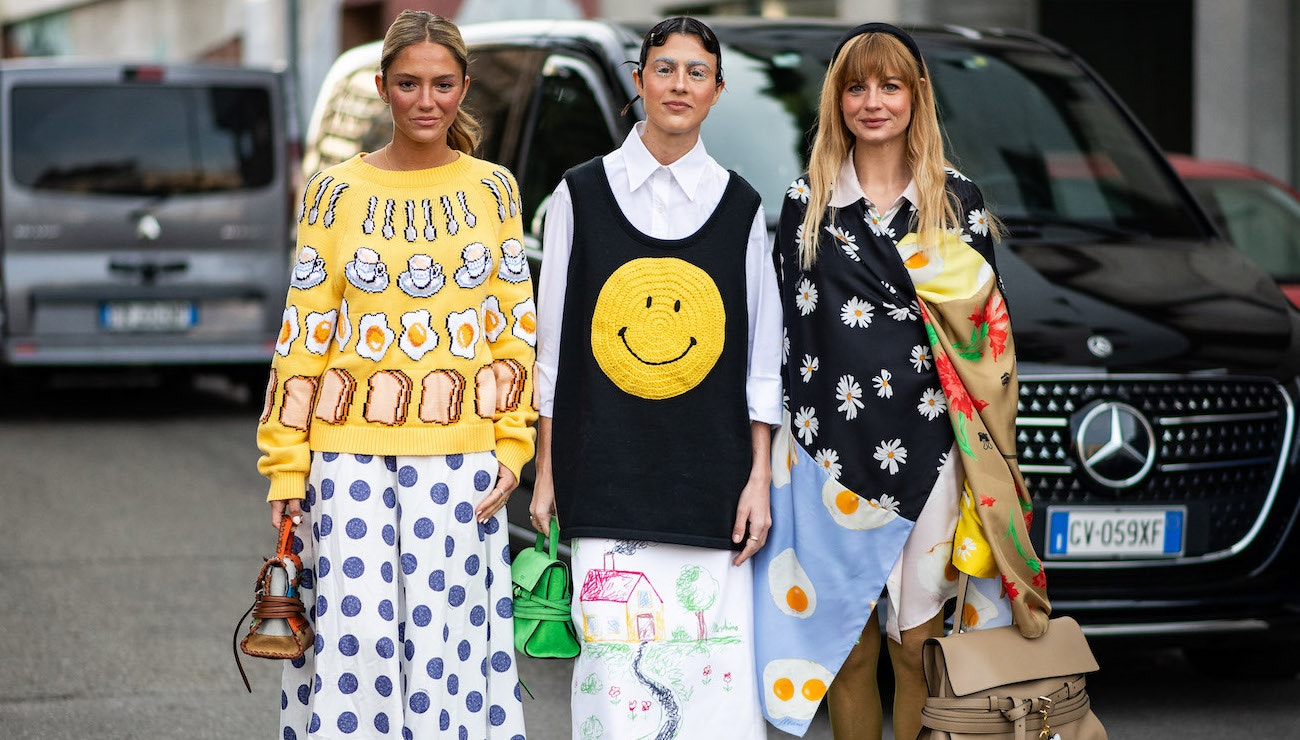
1158, 366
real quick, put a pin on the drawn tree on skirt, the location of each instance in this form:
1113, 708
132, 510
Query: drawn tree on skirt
697, 591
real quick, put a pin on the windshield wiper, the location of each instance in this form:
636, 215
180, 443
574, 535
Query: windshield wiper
1036, 225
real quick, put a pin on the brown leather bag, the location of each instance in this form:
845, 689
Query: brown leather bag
996, 684
280, 629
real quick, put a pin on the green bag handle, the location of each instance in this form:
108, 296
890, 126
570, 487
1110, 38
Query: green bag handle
554, 538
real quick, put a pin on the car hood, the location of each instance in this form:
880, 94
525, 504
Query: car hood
1148, 305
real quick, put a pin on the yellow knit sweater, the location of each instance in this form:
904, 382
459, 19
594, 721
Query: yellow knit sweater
410, 325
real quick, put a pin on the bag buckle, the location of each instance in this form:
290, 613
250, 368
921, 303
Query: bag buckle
1046, 733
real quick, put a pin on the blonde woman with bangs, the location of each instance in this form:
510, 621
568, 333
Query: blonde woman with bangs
896, 458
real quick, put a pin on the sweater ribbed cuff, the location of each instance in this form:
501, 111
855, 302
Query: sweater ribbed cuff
514, 454
287, 485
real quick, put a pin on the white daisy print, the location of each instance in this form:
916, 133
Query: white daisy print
849, 394
343, 331
798, 238
979, 221
961, 234
785, 346
848, 243
891, 455
921, 357
881, 381
810, 365
886, 502
856, 313
909, 312
885, 284
829, 460
374, 337
288, 330
805, 424
798, 191
933, 403
806, 297
956, 174
966, 549
878, 226
943, 460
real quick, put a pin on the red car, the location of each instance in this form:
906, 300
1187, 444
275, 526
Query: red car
1256, 211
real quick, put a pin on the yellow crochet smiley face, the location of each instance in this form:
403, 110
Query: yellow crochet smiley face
658, 327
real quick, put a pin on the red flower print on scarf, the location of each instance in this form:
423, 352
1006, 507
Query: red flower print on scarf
1012, 591
987, 501
995, 312
1040, 579
958, 399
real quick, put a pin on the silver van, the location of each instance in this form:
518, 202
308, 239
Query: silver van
144, 216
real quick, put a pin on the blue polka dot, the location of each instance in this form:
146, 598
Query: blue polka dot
350, 606
453, 684
407, 476
322, 606
381, 722
386, 572
304, 693
449, 545
308, 580
463, 649
359, 490
317, 687
497, 716
505, 609
386, 611
464, 512
401, 631
408, 735
477, 615
348, 645
419, 702
472, 565
464, 733
482, 480
356, 528
474, 701
410, 650
444, 721
454, 462
364, 459
314, 725
384, 685
296, 547
329, 456
299, 661
353, 567
389, 534
347, 723
446, 633
409, 563
482, 667
284, 700
323, 566
434, 668
326, 525
456, 595
326, 489
518, 697
440, 493
390, 497
422, 615
437, 580
384, 647
501, 661
424, 527
505, 555
348, 683
492, 526
289, 734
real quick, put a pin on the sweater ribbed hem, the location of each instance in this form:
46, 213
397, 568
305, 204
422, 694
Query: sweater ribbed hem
463, 437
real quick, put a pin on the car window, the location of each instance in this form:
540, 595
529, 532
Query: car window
500, 78
355, 120
1263, 221
132, 140
571, 124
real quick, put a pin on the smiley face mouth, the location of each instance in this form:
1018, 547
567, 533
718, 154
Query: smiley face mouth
622, 334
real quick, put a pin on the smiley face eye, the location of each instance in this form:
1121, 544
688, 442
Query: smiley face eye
648, 300
677, 306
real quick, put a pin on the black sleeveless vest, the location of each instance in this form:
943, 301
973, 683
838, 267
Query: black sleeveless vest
650, 424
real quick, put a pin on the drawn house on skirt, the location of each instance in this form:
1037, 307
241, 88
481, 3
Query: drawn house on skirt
620, 606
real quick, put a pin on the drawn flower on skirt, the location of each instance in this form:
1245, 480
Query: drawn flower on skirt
921, 357
806, 297
932, 403
829, 460
645, 706
805, 424
979, 222
798, 191
903, 313
856, 313
883, 388
886, 502
966, 550
849, 393
614, 692
891, 454
810, 365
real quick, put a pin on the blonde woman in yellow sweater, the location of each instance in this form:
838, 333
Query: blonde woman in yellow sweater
398, 415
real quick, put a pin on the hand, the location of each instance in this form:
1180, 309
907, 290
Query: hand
542, 507
498, 496
286, 507
755, 514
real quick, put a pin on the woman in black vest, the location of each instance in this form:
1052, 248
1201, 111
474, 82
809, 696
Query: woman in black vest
656, 409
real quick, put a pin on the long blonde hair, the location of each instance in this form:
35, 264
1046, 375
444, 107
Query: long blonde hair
877, 55
415, 27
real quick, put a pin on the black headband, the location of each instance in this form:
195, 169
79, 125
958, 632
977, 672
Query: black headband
894, 31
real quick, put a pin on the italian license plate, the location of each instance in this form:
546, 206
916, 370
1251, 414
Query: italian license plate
148, 315
1115, 533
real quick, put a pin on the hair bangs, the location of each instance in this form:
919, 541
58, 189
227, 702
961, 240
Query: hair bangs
877, 55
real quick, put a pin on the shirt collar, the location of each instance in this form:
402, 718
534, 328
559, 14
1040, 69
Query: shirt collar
848, 190
688, 170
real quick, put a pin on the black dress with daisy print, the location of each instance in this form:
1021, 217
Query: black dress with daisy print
862, 391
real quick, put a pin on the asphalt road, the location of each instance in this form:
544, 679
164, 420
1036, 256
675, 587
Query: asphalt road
132, 524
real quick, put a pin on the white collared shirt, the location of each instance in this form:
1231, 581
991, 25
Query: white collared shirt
665, 202
848, 191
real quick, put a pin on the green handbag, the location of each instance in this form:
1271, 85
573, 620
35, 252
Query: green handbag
543, 622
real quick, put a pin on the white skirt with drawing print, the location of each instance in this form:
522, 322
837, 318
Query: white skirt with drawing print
667, 643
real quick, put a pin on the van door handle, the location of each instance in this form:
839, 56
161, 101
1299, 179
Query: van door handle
148, 271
